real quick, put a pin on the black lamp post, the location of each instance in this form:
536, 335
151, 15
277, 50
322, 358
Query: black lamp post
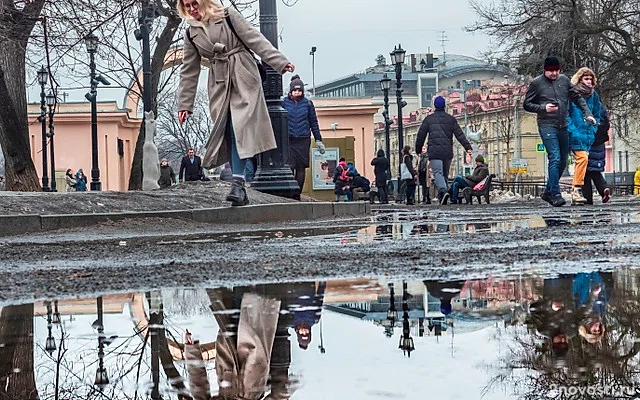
51, 103
385, 85
56, 313
392, 313
397, 56
50, 344
274, 175
102, 378
43, 76
91, 41
406, 341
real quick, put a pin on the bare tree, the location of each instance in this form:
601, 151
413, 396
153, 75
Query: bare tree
17, 20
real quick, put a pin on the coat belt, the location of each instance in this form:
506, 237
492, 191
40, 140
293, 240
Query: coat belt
220, 62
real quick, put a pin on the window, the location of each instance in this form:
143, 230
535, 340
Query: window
428, 88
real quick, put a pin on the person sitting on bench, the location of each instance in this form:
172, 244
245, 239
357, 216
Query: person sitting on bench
479, 173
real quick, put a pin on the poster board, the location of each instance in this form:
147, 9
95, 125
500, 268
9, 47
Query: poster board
323, 166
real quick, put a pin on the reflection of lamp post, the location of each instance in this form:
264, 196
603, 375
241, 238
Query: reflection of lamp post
43, 76
392, 313
102, 378
50, 344
406, 341
56, 313
51, 102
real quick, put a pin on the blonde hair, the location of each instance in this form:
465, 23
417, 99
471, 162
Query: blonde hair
582, 72
209, 9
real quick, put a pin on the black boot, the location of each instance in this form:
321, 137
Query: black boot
238, 194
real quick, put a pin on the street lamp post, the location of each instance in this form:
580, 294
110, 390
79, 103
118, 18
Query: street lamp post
406, 341
397, 56
91, 42
50, 343
312, 53
51, 103
385, 85
102, 377
43, 76
274, 176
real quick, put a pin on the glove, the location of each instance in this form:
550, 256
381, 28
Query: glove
320, 147
183, 115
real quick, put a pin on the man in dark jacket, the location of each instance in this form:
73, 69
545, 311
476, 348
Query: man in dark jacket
303, 121
440, 128
597, 160
190, 167
381, 171
548, 96
167, 176
480, 172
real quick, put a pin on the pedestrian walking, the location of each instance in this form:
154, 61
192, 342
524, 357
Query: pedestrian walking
581, 133
167, 176
438, 130
241, 123
597, 161
303, 122
81, 181
190, 167
548, 96
424, 175
70, 180
409, 175
381, 172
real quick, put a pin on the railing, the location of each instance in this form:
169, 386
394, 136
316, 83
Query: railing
535, 188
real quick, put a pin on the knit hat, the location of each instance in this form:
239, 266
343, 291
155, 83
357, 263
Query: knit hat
551, 63
445, 308
480, 159
439, 103
296, 83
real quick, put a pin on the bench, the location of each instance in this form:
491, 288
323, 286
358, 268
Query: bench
468, 193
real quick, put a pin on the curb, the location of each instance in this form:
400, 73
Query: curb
251, 214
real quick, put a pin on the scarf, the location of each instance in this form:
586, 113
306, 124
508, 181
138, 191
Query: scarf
585, 91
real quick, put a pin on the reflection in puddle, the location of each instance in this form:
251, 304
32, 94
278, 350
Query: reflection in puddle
527, 337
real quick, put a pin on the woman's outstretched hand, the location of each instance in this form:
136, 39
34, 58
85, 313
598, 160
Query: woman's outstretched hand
289, 67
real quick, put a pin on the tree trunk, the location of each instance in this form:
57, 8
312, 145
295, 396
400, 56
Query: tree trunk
163, 44
17, 379
15, 28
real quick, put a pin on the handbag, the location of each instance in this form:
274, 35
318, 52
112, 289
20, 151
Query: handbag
480, 185
404, 172
261, 68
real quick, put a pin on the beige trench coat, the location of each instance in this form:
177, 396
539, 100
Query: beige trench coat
234, 84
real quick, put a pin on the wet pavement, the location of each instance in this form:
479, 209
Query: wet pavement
571, 336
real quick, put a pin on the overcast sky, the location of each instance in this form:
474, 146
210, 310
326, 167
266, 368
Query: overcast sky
349, 34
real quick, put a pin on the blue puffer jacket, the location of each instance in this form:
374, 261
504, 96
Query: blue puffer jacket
302, 118
581, 133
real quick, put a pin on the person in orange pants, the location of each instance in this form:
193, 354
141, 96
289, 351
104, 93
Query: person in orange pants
582, 133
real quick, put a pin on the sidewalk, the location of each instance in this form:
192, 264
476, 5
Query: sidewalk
201, 202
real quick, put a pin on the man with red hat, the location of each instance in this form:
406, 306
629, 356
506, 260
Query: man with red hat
548, 96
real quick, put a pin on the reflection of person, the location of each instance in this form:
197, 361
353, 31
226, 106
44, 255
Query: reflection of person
554, 316
241, 124
548, 96
581, 133
439, 128
592, 293
445, 291
306, 306
301, 115
243, 346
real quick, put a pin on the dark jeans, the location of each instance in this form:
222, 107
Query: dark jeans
237, 164
587, 189
411, 191
556, 143
458, 183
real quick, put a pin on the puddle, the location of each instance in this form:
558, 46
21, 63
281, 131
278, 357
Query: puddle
525, 337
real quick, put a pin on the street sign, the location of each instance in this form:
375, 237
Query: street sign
518, 166
540, 147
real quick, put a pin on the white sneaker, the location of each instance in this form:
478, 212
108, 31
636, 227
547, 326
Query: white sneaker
577, 199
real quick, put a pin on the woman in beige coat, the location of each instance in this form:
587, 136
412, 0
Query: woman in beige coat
241, 124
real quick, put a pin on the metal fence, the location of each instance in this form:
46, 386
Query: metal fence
535, 188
